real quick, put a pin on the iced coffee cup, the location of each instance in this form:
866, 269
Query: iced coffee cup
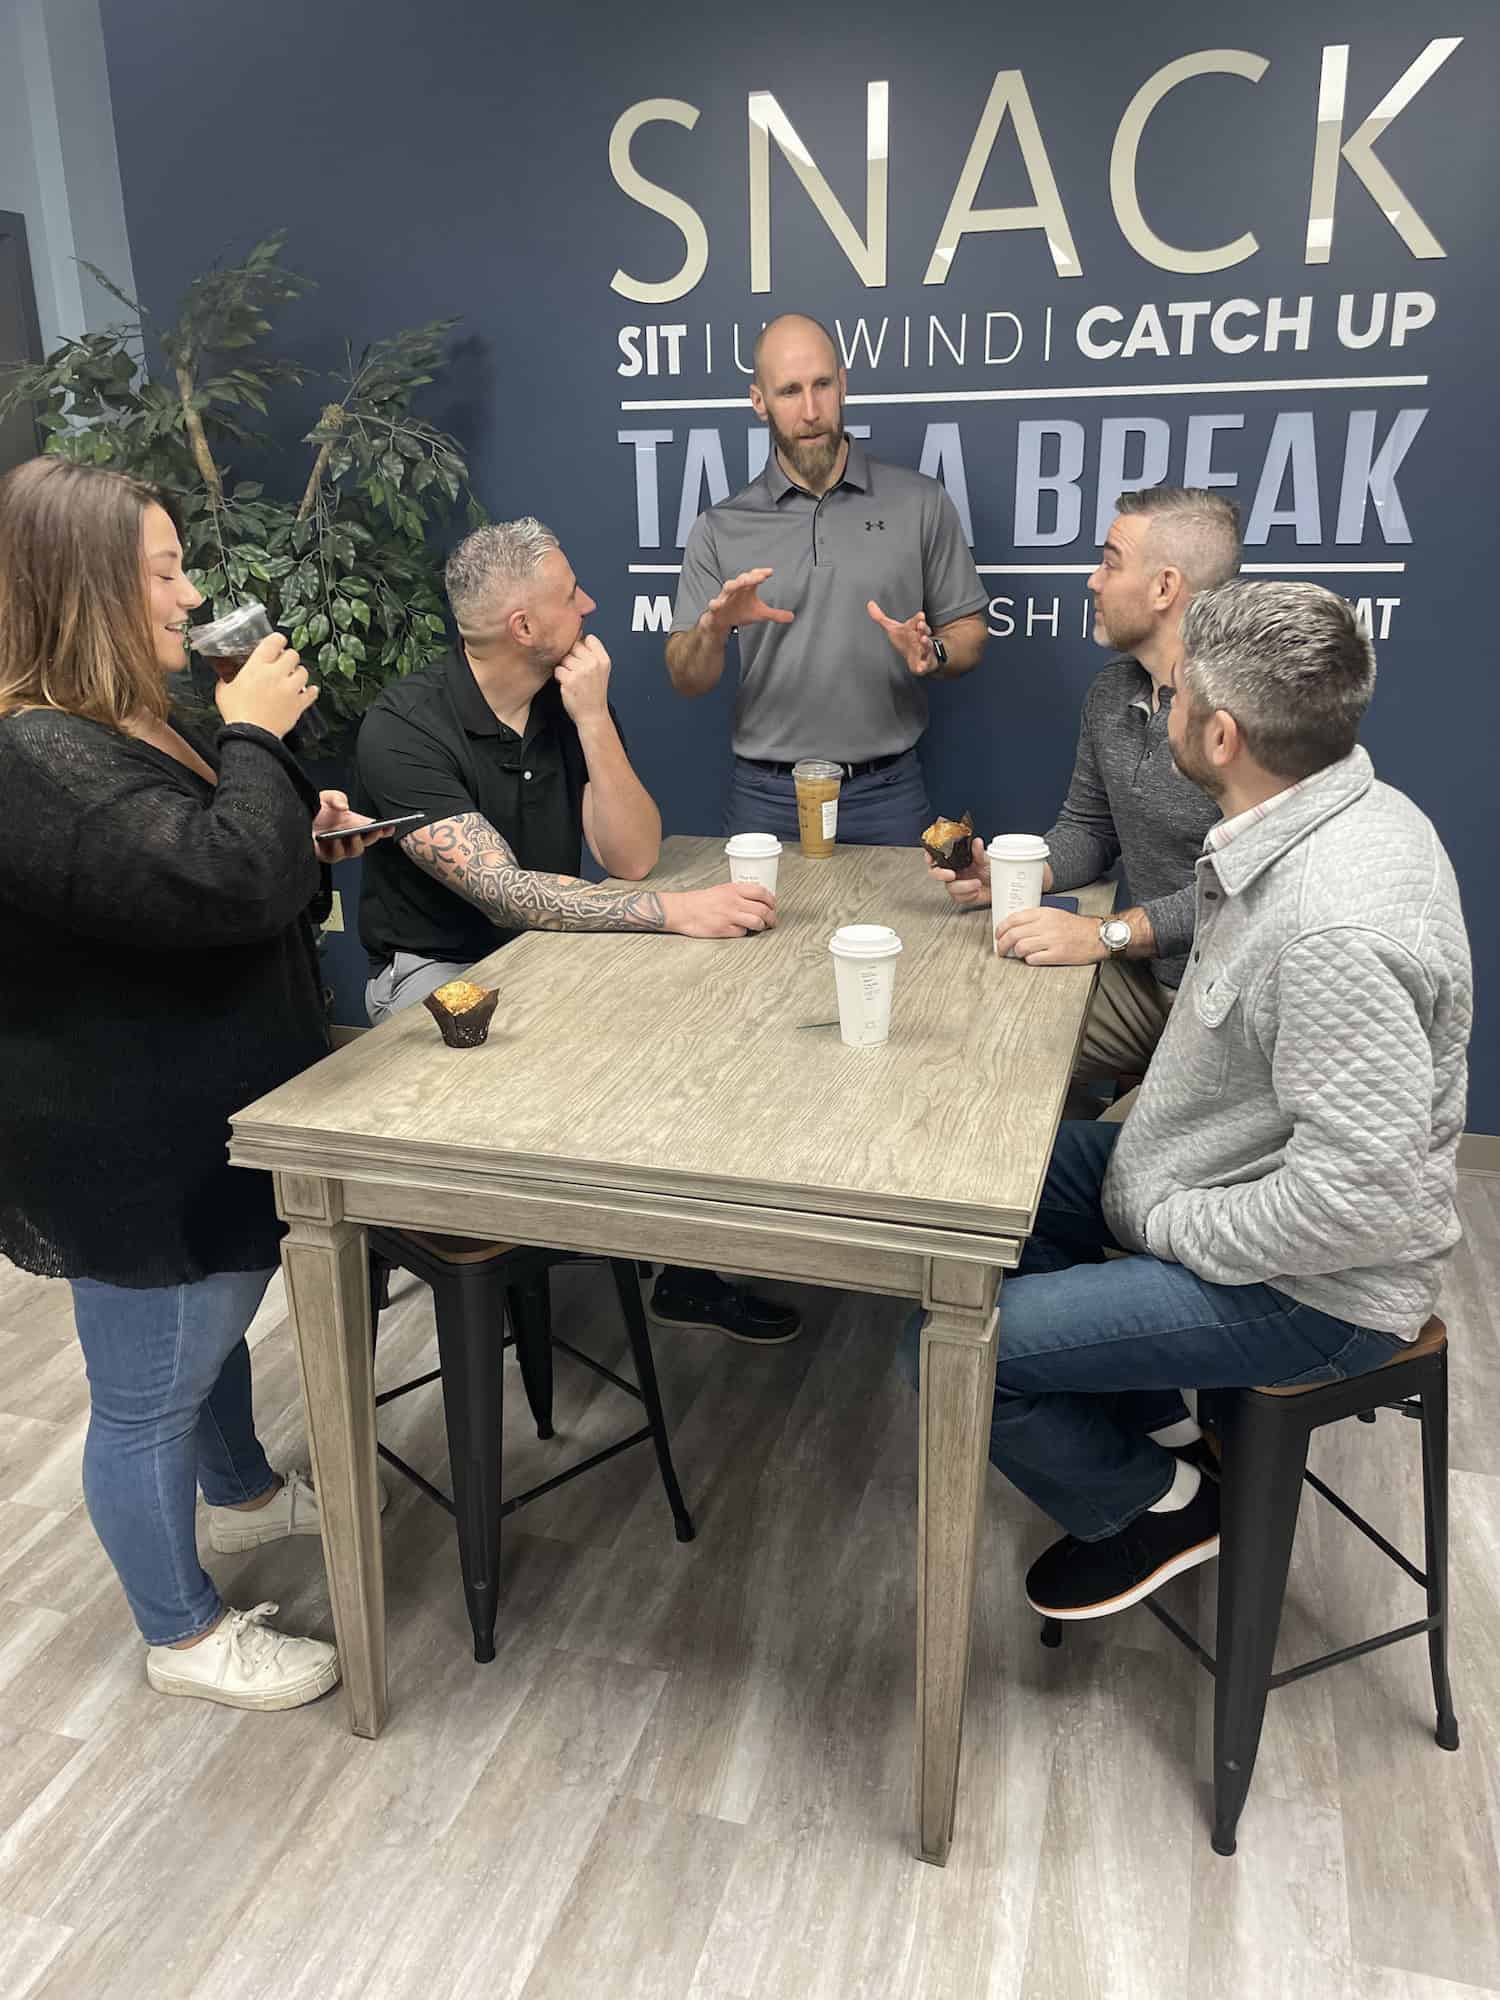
864, 967
1016, 864
817, 783
228, 642
754, 857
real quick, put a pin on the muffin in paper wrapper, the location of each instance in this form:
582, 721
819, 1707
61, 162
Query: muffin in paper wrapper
950, 842
462, 1011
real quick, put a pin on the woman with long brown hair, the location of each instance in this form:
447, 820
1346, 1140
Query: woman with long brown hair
158, 973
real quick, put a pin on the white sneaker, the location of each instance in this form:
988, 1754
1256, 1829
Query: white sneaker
243, 1664
294, 1511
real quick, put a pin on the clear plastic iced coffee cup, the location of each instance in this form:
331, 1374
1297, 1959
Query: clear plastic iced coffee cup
226, 643
818, 782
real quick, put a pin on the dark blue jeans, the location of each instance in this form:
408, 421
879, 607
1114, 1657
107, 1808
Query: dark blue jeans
886, 808
1094, 1351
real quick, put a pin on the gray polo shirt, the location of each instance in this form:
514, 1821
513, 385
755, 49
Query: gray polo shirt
831, 684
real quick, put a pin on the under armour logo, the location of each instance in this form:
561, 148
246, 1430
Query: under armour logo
874, 524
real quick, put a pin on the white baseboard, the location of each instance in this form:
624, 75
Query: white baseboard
1479, 1153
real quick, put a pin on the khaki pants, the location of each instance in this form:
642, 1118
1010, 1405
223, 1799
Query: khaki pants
1124, 1024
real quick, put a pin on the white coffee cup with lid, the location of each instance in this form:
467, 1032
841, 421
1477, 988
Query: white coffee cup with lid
864, 965
754, 857
1016, 864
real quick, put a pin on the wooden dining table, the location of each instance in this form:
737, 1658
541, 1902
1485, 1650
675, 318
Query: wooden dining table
690, 1101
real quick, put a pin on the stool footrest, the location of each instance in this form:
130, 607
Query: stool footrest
1371, 1534
1344, 1653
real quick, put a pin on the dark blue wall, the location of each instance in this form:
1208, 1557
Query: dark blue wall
436, 159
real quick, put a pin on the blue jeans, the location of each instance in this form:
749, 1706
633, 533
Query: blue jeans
1094, 1351
169, 1383
886, 808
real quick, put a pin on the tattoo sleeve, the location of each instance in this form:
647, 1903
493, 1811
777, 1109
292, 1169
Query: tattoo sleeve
467, 855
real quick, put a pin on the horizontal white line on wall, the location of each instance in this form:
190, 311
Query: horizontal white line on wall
1087, 569
1091, 389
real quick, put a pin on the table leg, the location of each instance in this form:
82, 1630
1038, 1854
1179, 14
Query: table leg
958, 1388
327, 1284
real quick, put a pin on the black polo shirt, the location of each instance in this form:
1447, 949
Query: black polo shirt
432, 744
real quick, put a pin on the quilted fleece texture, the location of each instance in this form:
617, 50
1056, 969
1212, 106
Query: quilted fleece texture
1299, 1124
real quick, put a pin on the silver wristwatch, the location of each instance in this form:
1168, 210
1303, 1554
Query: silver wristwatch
1114, 935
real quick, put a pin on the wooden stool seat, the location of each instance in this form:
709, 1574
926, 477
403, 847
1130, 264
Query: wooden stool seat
458, 1249
1432, 1338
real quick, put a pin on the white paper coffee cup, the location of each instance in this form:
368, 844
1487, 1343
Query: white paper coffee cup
864, 966
1016, 864
754, 857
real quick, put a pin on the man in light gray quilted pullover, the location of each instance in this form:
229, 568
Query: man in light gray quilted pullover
1284, 1189
1127, 801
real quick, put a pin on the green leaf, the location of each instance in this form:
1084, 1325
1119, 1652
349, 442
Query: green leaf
361, 611
317, 630
353, 646
299, 638
328, 657
343, 615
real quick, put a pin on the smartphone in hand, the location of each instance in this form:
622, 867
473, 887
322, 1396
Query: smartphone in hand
375, 826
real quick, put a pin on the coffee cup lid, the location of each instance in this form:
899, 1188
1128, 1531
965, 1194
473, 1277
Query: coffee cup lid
864, 941
817, 767
1017, 847
753, 846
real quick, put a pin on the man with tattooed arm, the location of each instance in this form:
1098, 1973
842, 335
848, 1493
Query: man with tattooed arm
510, 750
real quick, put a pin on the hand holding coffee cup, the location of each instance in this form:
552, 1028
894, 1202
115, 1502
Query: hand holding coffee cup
732, 909
1018, 873
271, 691
754, 857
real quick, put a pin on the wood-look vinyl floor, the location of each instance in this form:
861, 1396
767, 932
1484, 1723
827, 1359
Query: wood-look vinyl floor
687, 1773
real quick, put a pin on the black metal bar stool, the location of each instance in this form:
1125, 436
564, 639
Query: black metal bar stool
1263, 1437
476, 1288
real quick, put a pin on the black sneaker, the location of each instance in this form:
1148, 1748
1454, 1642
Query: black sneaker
1076, 1579
742, 1315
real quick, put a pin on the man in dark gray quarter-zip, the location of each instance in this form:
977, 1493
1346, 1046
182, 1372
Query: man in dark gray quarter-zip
1128, 802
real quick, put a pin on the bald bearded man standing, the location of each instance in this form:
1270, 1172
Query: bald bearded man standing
850, 586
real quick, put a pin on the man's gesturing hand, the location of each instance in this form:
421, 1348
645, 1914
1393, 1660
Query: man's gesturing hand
740, 603
912, 638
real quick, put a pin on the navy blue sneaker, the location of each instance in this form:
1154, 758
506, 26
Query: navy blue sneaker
719, 1307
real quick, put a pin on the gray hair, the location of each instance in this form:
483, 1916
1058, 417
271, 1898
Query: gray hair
1196, 531
487, 574
1289, 662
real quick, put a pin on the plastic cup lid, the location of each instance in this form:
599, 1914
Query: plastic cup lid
817, 767
753, 846
1017, 847
865, 941
246, 624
